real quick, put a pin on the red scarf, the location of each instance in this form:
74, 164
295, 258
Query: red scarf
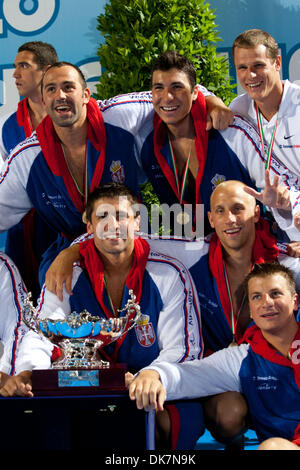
23, 118
260, 345
264, 250
53, 152
198, 113
94, 266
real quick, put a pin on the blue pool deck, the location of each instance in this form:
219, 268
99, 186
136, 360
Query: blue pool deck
207, 442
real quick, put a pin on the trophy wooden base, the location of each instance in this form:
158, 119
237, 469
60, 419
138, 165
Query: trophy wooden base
69, 382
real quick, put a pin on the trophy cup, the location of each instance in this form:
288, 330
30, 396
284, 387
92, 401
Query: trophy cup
80, 337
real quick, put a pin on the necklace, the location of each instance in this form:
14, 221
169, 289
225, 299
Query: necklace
84, 194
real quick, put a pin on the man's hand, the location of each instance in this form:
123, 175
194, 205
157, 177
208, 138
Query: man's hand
293, 249
274, 195
18, 385
3, 378
218, 116
61, 270
148, 391
297, 221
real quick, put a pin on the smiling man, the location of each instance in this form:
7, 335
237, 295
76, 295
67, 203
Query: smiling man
270, 104
114, 261
72, 150
265, 368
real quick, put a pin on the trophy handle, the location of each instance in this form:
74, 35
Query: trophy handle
131, 307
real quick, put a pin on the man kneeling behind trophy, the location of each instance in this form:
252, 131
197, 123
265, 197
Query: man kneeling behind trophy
118, 274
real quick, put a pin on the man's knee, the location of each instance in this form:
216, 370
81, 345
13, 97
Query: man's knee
277, 443
226, 413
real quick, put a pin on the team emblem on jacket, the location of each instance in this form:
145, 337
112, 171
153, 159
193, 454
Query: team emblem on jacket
144, 331
117, 172
217, 179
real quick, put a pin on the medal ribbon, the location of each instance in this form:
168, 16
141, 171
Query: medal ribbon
233, 320
181, 190
262, 139
109, 298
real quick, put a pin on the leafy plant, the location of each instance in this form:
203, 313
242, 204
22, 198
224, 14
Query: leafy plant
136, 32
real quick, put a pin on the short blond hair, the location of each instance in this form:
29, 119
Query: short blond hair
255, 37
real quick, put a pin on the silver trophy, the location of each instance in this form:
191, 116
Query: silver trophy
79, 337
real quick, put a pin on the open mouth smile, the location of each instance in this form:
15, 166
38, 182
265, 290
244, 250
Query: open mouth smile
232, 231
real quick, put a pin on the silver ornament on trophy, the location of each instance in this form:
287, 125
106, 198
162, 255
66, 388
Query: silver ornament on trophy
80, 337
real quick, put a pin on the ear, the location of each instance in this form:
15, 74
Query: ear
86, 95
256, 213
137, 223
210, 218
278, 63
89, 228
195, 93
296, 302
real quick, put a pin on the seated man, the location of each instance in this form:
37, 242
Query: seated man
265, 368
12, 295
114, 262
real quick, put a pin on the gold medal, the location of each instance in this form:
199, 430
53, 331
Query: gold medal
183, 218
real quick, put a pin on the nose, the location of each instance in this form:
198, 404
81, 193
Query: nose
251, 73
230, 217
266, 300
16, 73
112, 223
167, 94
60, 94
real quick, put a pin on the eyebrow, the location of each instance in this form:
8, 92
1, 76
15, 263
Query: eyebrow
67, 82
22, 62
275, 289
173, 83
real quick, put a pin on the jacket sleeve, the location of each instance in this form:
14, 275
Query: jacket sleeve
179, 324
14, 200
12, 295
243, 139
215, 374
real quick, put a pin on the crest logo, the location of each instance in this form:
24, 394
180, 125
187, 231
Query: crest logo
144, 331
117, 172
217, 179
